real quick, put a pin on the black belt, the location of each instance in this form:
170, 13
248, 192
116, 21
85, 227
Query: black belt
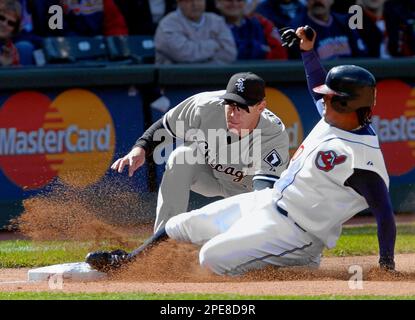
285, 213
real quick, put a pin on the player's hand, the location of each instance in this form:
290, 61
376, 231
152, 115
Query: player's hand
307, 37
135, 159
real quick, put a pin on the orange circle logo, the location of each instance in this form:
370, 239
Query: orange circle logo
285, 109
394, 122
72, 138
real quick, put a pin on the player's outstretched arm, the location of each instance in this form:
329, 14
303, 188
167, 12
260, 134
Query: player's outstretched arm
372, 187
315, 72
143, 148
304, 39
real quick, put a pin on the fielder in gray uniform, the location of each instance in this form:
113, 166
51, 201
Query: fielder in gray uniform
231, 145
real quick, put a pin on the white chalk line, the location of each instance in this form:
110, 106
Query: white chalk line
15, 282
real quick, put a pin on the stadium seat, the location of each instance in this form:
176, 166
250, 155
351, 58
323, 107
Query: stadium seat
97, 50
74, 49
138, 48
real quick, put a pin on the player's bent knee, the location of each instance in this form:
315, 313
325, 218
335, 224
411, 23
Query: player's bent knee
180, 155
175, 230
212, 260
193, 226
218, 257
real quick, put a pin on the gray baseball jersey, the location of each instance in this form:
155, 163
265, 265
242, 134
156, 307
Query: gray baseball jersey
235, 161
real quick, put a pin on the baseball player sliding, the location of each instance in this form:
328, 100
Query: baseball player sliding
232, 144
337, 172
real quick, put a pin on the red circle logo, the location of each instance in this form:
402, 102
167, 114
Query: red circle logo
394, 122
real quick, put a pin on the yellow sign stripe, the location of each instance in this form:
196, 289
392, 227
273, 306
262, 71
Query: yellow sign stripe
411, 144
53, 115
410, 103
52, 157
409, 113
54, 126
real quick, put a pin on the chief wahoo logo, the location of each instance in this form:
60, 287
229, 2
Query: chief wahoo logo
327, 160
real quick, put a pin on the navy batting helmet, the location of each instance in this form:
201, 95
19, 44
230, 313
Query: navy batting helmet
353, 89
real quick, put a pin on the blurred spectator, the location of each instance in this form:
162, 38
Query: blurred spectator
249, 33
374, 33
26, 23
93, 17
191, 35
281, 12
211, 6
400, 23
143, 16
273, 39
342, 6
251, 5
334, 37
26, 41
10, 17
35, 22
81, 18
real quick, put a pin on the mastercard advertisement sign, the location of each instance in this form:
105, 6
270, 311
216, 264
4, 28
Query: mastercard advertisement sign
70, 137
394, 122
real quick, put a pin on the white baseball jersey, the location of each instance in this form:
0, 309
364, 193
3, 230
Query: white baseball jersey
205, 112
312, 189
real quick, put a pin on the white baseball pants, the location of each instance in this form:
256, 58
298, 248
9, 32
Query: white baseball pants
245, 232
179, 178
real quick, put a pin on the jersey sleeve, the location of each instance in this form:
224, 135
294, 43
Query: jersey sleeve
371, 159
182, 118
315, 75
373, 188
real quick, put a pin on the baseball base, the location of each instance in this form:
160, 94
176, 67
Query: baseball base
79, 271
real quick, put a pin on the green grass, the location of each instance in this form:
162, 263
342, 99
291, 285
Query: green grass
28, 254
143, 296
16, 254
354, 241
361, 241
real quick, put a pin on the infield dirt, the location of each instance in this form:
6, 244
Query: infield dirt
331, 279
173, 267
